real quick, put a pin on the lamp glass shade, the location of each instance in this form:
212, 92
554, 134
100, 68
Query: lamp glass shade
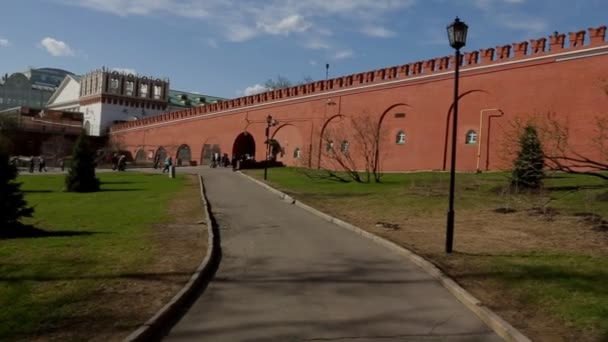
457, 34
269, 119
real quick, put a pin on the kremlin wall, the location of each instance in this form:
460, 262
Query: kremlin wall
565, 75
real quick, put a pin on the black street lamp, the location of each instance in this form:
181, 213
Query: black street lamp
269, 123
457, 34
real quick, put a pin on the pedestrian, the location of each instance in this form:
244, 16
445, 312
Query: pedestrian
62, 164
114, 161
167, 164
41, 164
156, 161
31, 164
122, 162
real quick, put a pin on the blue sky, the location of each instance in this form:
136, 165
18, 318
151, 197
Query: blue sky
230, 47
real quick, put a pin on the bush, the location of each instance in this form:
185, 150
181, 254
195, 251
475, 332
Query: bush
528, 166
81, 176
12, 205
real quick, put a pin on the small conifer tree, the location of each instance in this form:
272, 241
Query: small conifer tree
81, 176
528, 166
12, 205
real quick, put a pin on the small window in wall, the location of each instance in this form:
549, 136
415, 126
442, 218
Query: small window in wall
157, 92
400, 138
471, 138
130, 87
114, 85
143, 90
330, 146
297, 153
344, 146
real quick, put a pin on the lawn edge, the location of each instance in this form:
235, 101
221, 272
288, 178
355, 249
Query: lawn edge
170, 312
501, 327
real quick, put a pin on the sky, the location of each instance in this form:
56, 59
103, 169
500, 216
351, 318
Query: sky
229, 48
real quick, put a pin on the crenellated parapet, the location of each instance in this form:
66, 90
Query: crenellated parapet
544, 47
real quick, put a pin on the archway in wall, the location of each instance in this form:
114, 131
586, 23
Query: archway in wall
140, 156
160, 155
287, 145
244, 145
183, 155
87, 127
209, 149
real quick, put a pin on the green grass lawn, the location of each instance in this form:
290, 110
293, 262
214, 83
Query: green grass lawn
97, 237
567, 284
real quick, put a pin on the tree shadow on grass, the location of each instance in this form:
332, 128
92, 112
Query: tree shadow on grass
38, 191
575, 187
166, 277
118, 190
118, 182
29, 231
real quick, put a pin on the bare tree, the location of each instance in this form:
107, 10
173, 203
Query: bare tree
279, 83
56, 146
562, 155
355, 149
559, 151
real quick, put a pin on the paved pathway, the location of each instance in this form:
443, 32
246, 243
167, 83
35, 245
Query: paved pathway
287, 275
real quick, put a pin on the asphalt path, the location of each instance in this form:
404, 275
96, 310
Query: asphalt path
287, 275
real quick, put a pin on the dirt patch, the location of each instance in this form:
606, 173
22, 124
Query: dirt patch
488, 233
120, 305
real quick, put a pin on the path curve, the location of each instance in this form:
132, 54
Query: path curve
288, 275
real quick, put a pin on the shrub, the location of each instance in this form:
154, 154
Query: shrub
12, 205
528, 166
81, 176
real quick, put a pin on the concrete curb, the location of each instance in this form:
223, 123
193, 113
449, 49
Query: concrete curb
162, 320
501, 327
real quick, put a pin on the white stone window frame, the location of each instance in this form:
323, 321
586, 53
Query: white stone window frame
130, 88
401, 137
143, 90
344, 146
114, 84
158, 90
471, 137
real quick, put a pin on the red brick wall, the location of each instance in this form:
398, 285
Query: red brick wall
566, 81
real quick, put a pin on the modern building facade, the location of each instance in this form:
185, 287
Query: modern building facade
31, 88
565, 75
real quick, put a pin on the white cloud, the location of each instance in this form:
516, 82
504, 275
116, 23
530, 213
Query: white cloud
4, 42
56, 47
254, 89
535, 25
292, 23
125, 70
239, 33
343, 54
316, 44
238, 21
212, 43
489, 4
378, 31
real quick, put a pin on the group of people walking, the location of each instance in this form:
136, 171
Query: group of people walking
119, 162
222, 161
41, 164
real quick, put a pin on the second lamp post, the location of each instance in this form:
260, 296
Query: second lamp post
457, 34
269, 123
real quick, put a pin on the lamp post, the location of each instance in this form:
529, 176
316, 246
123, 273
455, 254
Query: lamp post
457, 34
269, 123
